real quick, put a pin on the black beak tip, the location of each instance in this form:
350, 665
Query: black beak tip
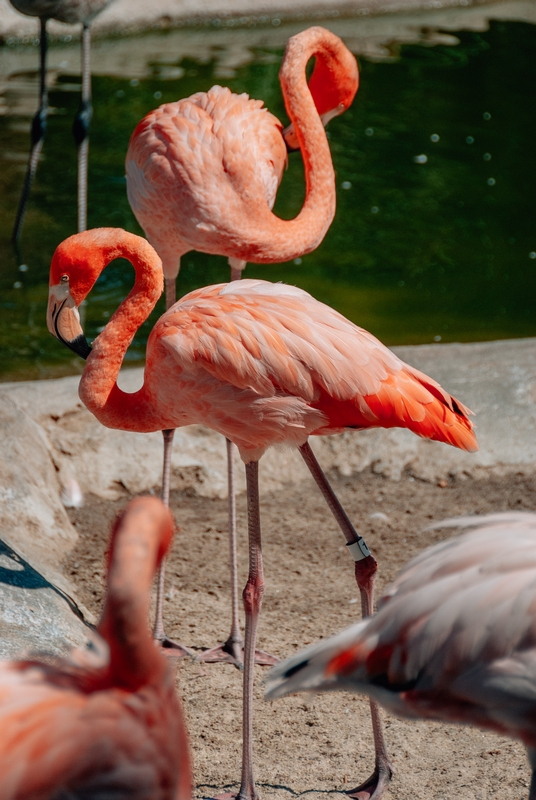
80, 346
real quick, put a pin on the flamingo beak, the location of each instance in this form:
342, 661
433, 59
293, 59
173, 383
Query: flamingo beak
63, 320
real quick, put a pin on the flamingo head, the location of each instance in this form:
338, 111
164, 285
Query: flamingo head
76, 264
333, 86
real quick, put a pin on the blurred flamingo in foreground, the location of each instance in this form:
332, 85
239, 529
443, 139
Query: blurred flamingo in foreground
261, 363
202, 174
68, 729
454, 638
72, 12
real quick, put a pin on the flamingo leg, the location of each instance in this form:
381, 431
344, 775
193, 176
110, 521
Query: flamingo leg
232, 650
39, 125
252, 597
81, 128
365, 571
159, 634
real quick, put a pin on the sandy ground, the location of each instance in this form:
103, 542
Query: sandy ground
314, 746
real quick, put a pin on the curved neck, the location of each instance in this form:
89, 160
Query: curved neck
272, 239
98, 389
136, 552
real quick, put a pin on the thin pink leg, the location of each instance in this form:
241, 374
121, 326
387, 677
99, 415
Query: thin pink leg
158, 631
252, 597
232, 651
365, 572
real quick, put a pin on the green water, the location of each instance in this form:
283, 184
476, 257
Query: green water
418, 251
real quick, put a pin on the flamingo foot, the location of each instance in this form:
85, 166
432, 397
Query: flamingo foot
232, 652
170, 647
374, 787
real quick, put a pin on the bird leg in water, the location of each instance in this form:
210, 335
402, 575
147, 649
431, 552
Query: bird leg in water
365, 571
232, 650
81, 128
39, 125
158, 631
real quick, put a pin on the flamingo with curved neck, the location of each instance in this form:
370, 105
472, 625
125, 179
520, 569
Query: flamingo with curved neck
77, 728
262, 364
203, 172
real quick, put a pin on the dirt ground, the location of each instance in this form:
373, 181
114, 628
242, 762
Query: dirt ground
314, 746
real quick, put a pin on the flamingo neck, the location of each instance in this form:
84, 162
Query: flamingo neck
286, 239
135, 555
98, 389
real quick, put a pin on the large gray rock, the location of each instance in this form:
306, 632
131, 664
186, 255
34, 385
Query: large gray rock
37, 606
32, 519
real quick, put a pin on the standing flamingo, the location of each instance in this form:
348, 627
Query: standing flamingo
70, 11
113, 730
202, 173
454, 638
262, 364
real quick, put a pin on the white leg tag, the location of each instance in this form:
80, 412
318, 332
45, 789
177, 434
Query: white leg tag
358, 550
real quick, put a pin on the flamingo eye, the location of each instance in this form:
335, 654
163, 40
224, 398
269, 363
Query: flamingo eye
64, 278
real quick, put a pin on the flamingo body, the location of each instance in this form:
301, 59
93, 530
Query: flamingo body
454, 638
203, 172
114, 729
267, 364
197, 168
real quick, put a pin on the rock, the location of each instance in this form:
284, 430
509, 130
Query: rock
35, 616
37, 609
32, 519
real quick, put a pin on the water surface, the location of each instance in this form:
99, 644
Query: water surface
434, 238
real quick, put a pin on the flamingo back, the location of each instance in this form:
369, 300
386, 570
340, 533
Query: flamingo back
196, 167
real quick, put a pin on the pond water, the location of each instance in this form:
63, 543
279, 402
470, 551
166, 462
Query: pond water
434, 238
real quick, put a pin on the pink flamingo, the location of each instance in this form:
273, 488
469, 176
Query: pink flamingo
70, 11
262, 364
68, 728
454, 638
203, 172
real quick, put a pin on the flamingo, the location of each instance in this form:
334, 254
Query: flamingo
116, 729
261, 363
72, 12
454, 638
203, 172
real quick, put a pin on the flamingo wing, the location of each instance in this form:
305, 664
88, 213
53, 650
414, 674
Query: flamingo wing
275, 339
